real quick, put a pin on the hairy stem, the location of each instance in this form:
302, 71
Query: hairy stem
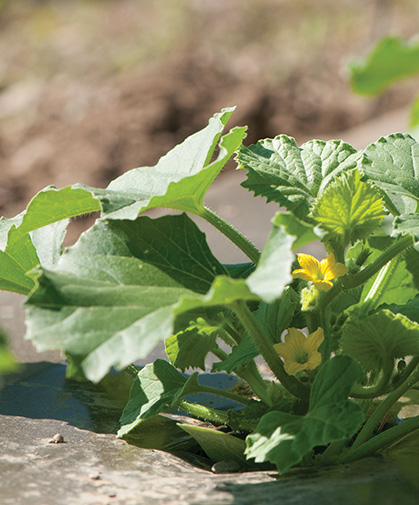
205, 413
378, 389
383, 408
224, 394
380, 441
381, 282
266, 349
249, 249
361, 277
251, 375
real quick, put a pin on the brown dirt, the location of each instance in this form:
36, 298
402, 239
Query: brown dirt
61, 128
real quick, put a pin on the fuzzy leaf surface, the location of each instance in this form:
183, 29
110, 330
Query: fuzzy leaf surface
294, 176
179, 180
284, 439
349, 209
392, 164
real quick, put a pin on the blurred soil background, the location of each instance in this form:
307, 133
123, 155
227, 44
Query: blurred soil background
92, 88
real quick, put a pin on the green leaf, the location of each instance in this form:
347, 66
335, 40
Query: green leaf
392, 59
404, 281
7, 360
240, 356
47, 207
273, 272
105, 304
285, 439
35, 236
189, 347
153, 392
13, 274
379, 337
304, 233
294, 176
274, 318
349, 209
392, 164
116, 293
217, 445
407, 223
160, 433
410, 309
179, 180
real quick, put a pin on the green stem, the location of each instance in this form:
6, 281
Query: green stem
383, 408
380, 441
205, 413
223, 393
329, 455
381, 282
249, 249
414, 362
252, 376
378, 389
361, 277
268, 352
132, 371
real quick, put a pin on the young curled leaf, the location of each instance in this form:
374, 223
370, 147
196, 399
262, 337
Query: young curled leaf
349, 209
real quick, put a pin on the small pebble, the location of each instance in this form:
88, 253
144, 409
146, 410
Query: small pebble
56, 439
227, 466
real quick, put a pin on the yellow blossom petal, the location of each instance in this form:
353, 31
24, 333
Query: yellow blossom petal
300, 352
320, 273
314, 340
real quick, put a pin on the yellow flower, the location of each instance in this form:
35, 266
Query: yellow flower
300, 352
320, 273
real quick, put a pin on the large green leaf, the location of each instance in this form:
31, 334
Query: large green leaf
379, 337
284, 439
349, 209
154, 390
35, 236
108, 302
392, 59
294, 176
116, 293
392, 163
273, 272
217, 445
190, 346
179, 180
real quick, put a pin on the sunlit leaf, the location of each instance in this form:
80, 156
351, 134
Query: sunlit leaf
284, 439
294, 176
179, 180
349, 209
392, 164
